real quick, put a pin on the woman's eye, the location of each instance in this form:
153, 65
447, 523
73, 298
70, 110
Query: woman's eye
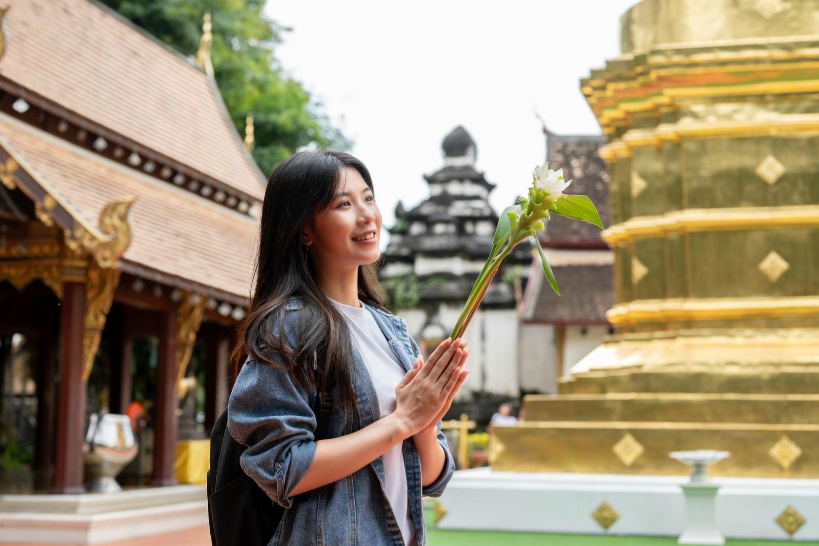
344, 204
371, 198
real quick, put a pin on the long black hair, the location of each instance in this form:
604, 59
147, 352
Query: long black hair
301, 186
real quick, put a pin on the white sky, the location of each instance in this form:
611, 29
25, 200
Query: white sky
397, 77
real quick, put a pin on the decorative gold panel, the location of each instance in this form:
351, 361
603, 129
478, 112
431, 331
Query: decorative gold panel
638, 271
44, 210
770, 170
189, 318
638, 184
773, 266
790, 520
605, 515
8, 168
769, 8
628, 449
21, 273
785, 452
99, 295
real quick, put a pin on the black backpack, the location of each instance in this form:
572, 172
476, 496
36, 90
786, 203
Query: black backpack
239, 512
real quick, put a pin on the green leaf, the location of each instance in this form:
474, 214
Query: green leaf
547, 269
504, 227
578, 207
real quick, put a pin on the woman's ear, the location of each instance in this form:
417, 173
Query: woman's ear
306, 239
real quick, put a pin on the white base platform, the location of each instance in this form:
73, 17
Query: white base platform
747, 508
101, 517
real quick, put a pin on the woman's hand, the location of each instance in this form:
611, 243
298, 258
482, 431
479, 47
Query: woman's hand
426, 392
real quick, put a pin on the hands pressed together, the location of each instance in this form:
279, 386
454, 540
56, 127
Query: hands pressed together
426, 392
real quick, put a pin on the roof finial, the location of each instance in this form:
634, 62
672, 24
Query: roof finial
250, 136
203, 55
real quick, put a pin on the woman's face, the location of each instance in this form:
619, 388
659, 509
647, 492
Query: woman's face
346, 233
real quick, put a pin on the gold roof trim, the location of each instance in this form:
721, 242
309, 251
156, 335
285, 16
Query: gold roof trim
725, 219
106, 242
640, 311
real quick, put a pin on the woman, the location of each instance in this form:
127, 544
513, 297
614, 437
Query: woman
317, 337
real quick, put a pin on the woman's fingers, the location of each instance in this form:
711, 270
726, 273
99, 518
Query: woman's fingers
446, 360
436, 354
410, 375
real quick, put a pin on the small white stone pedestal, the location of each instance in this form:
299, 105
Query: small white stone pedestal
700, 498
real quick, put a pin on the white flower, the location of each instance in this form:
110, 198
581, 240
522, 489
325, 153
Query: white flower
550, 181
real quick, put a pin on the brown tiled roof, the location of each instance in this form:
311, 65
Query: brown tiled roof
92, 62
579, 159
173, 232
586, 283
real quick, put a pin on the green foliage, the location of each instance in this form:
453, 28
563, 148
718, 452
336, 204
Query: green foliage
246, 70
404, 291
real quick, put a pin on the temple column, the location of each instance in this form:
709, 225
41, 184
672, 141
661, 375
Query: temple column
166, 403
121, 382
68, 468
46, 413
216, 374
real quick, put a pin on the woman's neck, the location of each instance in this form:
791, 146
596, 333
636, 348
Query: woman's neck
341, 286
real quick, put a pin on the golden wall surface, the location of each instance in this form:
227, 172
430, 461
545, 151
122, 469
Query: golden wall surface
712, 114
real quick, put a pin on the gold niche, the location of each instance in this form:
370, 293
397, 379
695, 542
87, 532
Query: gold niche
785, 452
773, 266
790, 520
628, 449
638, 271
605, 515
771, 170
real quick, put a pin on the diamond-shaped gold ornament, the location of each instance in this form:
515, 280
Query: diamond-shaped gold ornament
770, 170
773, 266
439, 510
638, 184
638, 271
628, 449
769, 8
785, 452
790, 520
605, 515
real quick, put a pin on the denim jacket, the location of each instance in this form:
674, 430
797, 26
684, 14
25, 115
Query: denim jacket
273, 416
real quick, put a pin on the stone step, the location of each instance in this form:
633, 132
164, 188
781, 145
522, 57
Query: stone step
725, 379
104, 517
675, 407
757, 450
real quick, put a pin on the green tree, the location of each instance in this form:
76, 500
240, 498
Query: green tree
250, 78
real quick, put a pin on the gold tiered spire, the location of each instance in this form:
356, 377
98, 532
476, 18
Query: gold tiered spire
203, 55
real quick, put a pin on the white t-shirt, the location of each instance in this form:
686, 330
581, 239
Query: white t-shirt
386, 372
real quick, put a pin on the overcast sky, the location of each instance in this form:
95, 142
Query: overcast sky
397, 77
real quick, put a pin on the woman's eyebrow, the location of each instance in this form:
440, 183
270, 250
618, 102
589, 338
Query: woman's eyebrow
345, 194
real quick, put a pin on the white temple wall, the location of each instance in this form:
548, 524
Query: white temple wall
538, 358
455, 265
579, 345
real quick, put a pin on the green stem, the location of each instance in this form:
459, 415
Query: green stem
481, 285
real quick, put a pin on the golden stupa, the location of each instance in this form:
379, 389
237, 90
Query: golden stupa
712, 119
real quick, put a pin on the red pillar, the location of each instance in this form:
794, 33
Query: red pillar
166, 403
68, 468
216, 374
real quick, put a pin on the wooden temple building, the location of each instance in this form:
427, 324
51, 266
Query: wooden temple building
128, 210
